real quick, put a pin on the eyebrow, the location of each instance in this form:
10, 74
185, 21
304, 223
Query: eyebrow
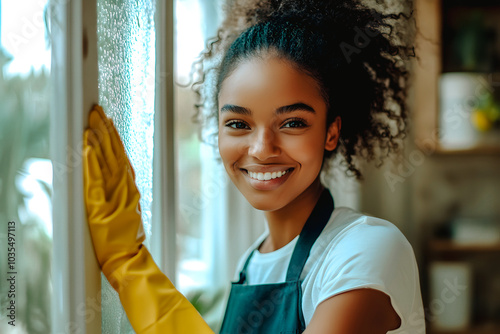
235, 109
295, 107
281, 110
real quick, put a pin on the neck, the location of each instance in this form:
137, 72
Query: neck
287, 223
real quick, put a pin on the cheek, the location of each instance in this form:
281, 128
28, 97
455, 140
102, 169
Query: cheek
229, 148
307, 151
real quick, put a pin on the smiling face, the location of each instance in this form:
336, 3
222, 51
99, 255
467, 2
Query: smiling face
272, 132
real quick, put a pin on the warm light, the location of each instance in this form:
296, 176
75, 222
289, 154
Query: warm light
23, 36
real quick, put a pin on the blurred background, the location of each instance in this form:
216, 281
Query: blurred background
25, 168
443, 192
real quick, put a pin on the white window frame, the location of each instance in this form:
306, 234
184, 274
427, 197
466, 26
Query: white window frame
163, 222
75, 272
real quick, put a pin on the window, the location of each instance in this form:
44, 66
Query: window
126, 62
25, 168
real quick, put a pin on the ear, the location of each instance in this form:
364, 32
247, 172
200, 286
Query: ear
333, 134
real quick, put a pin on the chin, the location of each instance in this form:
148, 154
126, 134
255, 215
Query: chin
262, 206
263, 202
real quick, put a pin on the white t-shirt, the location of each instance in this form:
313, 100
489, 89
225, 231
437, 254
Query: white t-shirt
353, 251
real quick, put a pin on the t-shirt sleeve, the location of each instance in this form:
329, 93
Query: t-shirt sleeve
372, 254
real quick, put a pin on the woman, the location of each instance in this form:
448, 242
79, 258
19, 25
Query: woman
301, 78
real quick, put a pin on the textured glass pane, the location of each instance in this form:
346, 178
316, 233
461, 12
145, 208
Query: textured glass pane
126, 46
25, 169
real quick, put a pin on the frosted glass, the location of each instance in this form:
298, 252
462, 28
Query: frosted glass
126, 49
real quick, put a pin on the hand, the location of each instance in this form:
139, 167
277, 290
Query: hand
111, 196
152, 303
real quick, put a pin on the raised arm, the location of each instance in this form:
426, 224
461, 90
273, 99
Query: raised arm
152, 303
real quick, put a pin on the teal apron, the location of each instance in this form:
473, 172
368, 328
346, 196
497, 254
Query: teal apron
276, 308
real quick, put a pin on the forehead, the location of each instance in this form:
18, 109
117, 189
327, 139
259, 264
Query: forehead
269, 82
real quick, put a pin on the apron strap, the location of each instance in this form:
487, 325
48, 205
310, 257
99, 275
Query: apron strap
243, 272
310, 232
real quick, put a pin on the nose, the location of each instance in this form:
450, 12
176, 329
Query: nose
264, 145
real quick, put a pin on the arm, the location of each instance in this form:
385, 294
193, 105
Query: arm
367, 278
360, 311
151, 302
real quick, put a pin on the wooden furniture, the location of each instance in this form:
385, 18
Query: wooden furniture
431, 18
430, 65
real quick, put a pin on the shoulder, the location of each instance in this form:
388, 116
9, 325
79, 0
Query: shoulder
357, 245
358, 251
350, 232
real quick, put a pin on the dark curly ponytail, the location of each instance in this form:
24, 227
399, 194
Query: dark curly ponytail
351, 50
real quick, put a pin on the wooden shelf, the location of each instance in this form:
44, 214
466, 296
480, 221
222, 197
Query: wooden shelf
435, 149
433, 20
451, 246
486, 150
483, 329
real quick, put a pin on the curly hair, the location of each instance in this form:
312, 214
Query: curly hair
356, 53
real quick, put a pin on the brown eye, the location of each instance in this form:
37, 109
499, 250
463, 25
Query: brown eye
237, 125
295, 123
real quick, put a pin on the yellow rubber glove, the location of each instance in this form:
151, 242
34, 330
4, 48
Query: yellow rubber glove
152, 303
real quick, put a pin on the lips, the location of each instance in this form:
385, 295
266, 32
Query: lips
266, 177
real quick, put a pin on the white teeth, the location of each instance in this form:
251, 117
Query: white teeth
267, 176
